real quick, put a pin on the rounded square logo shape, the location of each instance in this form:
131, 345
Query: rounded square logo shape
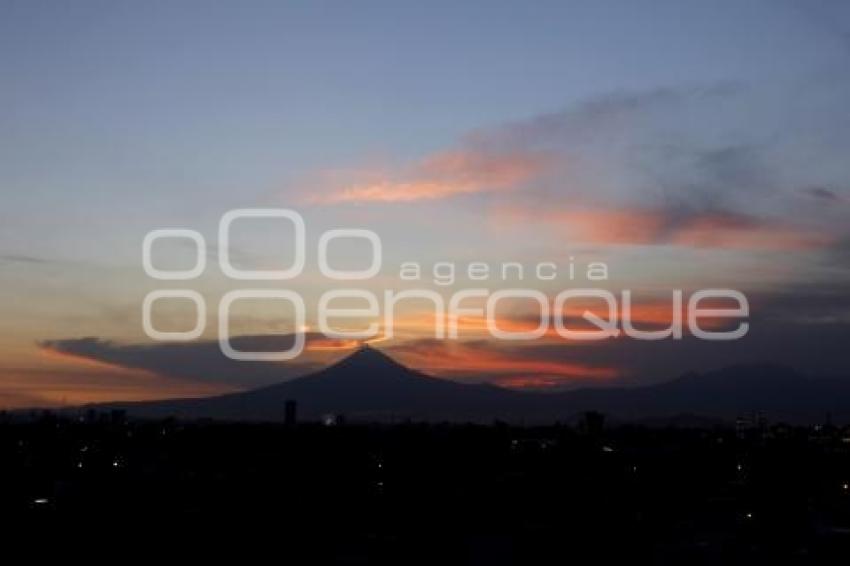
224, 325
181, 336
174, 275
349, 275
261, 274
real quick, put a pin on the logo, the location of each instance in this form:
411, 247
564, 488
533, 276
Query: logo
550, 319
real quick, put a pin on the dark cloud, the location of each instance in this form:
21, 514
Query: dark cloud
642, 151
807, 328
20, 258
597, 117
812, 347
823, 302
199, 361
823, 194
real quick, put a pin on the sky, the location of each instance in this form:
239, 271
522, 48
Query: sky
686, 145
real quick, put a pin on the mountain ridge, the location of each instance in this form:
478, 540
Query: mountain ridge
369, 385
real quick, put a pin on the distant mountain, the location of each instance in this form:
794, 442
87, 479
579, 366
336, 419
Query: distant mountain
777, 391
367, 385
370, 386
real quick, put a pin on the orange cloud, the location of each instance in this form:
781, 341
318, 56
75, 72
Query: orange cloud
657, 226
643, 313
55, 386
745, 232
324, 344
611, 226
454, 359
60, 378
444, 175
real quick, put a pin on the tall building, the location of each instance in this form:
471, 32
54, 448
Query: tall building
290, 412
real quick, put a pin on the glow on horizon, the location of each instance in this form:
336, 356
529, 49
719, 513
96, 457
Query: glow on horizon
686, 146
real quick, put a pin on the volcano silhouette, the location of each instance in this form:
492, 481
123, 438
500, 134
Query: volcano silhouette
367, 385
370, 386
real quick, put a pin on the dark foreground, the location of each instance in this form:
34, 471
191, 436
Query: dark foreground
415, 494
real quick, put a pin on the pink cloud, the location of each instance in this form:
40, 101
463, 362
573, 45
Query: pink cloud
443, 175
659, 226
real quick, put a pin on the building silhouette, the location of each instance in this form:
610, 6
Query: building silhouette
290, 414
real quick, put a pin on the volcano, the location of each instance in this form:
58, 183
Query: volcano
367, 385
370, 386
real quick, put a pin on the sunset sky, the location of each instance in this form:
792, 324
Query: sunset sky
687, 145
